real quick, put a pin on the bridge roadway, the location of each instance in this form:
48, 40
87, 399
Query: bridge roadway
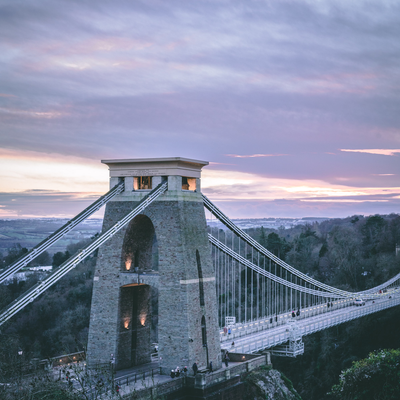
250, 339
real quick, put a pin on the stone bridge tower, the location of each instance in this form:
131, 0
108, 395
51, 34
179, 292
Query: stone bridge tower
154, 280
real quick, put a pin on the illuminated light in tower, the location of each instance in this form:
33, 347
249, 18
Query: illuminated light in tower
128, 263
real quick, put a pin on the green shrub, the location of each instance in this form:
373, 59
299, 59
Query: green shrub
375, 377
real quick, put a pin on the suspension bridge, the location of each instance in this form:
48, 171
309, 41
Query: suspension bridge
163, 276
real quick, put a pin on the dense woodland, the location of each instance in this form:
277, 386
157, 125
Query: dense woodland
57, 322
353, 254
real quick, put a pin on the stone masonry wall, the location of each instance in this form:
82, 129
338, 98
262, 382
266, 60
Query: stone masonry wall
180, 228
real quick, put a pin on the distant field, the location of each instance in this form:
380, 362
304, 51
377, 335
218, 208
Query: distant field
30, 232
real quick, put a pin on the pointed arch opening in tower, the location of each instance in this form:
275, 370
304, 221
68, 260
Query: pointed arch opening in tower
138, 305
140, 248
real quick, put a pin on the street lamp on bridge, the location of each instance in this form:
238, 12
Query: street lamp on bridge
20, 352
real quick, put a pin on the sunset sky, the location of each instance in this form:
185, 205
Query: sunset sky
295, 104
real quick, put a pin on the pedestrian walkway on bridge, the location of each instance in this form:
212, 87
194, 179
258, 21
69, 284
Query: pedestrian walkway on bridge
259, 340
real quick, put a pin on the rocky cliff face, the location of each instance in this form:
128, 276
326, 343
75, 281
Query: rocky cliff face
270, 384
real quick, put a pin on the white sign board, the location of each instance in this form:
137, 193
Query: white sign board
229, 321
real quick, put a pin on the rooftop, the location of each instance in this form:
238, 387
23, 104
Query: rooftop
155, 166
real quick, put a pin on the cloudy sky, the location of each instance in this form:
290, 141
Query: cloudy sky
295, 103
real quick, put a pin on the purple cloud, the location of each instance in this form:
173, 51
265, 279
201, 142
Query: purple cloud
278, 86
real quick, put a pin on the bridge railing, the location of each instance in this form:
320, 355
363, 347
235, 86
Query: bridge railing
349, 315
243, 329
274, 339
245, 365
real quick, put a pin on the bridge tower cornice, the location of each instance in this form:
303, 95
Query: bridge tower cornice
166, 166
140, 175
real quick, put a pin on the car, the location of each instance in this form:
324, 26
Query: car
359, 302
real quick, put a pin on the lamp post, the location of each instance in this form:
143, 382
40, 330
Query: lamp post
20, 352
112, 364
206, 347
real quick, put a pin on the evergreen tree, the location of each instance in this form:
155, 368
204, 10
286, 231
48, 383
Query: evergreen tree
263, 237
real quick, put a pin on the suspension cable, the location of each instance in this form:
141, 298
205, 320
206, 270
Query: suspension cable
59, 233
73, 261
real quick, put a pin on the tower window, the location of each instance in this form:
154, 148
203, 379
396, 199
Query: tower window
188, 183
142, 183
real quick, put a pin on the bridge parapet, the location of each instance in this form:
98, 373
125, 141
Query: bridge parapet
268, 339
242, 329
240, 363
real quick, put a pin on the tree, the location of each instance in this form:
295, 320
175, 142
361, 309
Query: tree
263, 237
394, 227
345, 254
9, 346
76, 383
14, 253
307, 232
277, 245
304, 254
73, 248
274, 243
375, 377
372, 231
60, 257
43, 259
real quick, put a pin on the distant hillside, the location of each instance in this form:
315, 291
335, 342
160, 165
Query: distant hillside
270, 223
30, 232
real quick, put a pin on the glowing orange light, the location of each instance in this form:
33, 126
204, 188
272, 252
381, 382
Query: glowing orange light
128, 263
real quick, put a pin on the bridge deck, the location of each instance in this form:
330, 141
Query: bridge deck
268, 338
